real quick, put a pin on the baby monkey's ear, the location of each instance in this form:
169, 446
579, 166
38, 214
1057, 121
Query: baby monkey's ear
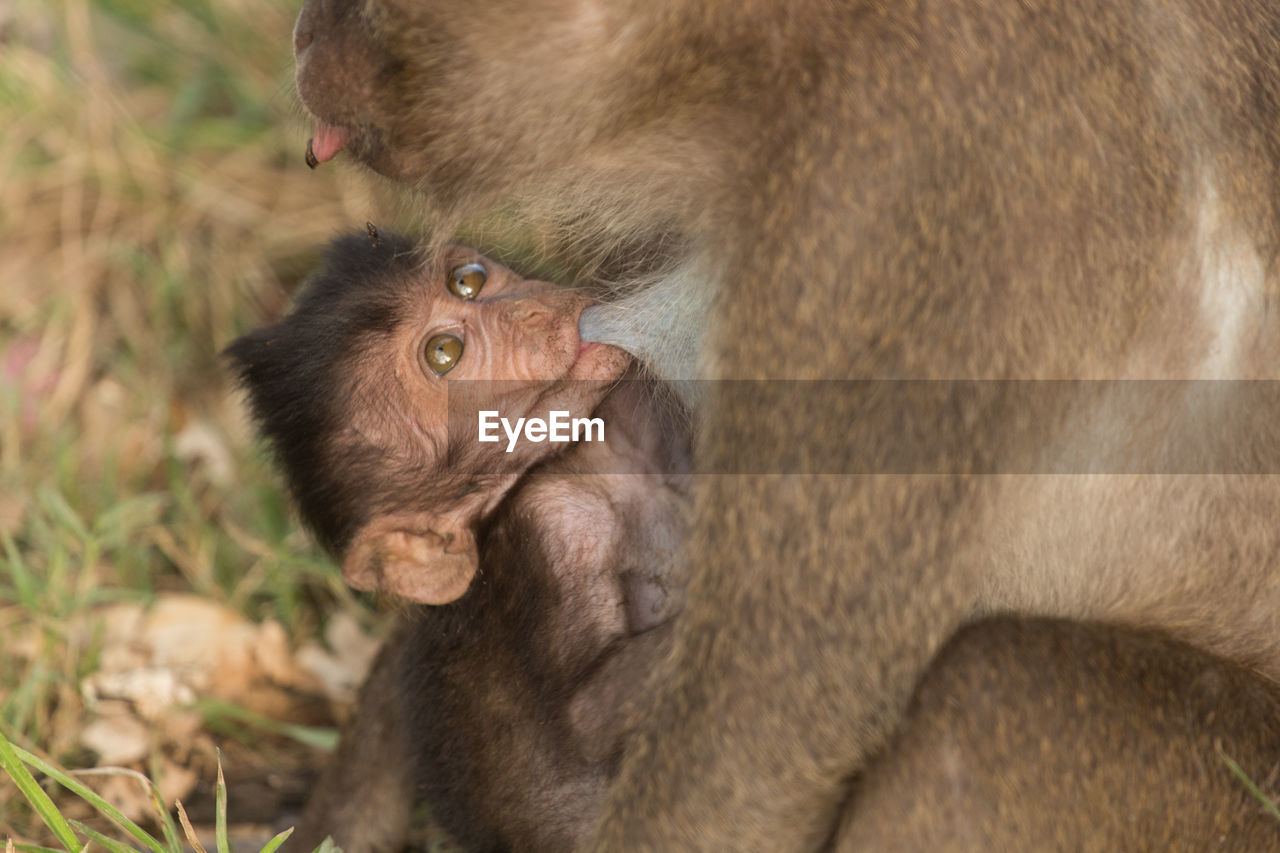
428, 557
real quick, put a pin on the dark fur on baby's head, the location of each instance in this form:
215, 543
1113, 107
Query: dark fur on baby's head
302, 386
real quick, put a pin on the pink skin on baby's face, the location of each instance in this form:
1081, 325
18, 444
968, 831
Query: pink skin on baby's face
476, 336
471, 336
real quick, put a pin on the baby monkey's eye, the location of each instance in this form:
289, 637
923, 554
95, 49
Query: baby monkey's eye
465, 281
442, 352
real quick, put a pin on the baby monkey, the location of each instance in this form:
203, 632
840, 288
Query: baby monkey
553, 568
370, 391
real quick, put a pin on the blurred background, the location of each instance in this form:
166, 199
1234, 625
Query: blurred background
157, 598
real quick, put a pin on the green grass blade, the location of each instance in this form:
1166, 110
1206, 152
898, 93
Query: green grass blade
1267, 803
220, 811
91, 797
34, 848
274, 844
35, 795
215, 711
24, 585
56, 504
167, 824
111, 844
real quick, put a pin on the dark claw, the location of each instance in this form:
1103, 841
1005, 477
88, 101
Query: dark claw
312, 162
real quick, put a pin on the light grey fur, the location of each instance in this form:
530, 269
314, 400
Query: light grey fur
662, 325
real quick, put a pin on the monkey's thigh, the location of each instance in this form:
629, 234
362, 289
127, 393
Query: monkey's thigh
1050, 735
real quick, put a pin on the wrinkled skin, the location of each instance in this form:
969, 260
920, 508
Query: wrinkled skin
519, 354
403, 480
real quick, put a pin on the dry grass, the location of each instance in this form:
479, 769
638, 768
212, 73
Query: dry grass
153, 205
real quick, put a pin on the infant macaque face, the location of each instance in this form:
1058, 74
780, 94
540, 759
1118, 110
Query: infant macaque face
473, 335
370, 388
470, 335
476, 319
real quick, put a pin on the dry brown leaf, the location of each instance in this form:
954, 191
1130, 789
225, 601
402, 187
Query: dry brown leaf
188, 829
176, 781
199, 443
194, 635
156, 662
150, 690
127, 794
342, 666
117, 736
273, 656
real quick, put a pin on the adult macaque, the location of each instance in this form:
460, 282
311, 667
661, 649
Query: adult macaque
504, 710
501, 710
877, 190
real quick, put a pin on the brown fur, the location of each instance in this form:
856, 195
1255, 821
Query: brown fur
1023, 735
365, 797
503, 711
880, 190
1042, 735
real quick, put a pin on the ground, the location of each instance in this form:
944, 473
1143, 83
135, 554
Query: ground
158, 599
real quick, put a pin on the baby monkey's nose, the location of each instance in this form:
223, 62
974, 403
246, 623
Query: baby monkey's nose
530, 309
